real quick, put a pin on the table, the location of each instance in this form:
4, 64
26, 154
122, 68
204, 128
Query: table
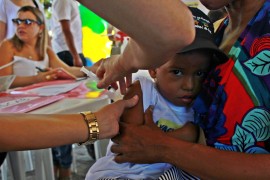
43, 157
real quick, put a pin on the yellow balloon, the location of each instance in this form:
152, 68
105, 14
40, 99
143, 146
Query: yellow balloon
95, 46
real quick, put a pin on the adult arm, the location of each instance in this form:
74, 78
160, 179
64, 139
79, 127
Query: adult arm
158, 29
65, 25
3, 30
202, 161
33, 131
55, 62
7, 53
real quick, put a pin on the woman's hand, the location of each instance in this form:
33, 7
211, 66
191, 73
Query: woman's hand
61, 73
54, 74
48, 75
109, 71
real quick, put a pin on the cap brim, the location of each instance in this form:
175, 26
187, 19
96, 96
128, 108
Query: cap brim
202, 43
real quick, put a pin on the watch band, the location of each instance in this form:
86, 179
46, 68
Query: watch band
92, 125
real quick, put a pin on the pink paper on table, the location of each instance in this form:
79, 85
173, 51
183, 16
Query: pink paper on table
50, 88
18, 103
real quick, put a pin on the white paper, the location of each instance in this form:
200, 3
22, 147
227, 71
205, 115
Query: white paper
50, 90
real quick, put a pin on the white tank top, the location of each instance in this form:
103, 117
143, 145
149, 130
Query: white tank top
26, 67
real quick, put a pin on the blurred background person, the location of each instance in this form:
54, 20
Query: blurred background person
67, 32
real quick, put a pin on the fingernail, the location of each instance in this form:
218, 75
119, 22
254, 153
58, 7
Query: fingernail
100, 85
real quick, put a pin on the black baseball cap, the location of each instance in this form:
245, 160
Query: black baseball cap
204, 38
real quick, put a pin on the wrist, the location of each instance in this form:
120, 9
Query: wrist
130, 59
126, 65
38, 78
92, 127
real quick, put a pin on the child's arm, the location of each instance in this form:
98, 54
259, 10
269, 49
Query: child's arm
189, 132
135, 114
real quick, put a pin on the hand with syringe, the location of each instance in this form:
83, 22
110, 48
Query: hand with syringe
114, 72
92, 77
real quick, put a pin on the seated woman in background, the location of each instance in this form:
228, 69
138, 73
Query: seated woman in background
27, 53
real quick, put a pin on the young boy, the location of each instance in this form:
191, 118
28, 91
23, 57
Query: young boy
177, 83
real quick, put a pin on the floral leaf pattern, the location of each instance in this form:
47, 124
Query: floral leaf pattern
254, 128
256, 150
260, 64
258, 122
242, 138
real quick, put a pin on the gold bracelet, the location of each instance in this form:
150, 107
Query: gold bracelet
92, 124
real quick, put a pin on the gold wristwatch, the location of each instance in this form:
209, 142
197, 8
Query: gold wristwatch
92, 125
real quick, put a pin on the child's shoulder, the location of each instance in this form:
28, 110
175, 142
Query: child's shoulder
143, 79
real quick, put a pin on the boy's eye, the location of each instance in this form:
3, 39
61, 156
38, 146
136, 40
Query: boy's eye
177, 72
201, 74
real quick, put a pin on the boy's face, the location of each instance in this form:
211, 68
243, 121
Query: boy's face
180, 79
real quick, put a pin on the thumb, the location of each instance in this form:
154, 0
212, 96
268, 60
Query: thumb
129, 103
148, 116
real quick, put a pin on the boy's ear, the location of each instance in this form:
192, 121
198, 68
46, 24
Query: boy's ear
153, 73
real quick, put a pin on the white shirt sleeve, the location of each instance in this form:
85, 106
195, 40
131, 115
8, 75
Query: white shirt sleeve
3, 16
148, 90
62, 9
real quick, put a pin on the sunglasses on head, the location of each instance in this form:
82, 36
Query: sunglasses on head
25, 21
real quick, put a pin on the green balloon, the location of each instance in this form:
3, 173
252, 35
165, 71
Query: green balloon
92, 21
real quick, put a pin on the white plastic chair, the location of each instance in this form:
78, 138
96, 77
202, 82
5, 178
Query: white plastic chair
21, 162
